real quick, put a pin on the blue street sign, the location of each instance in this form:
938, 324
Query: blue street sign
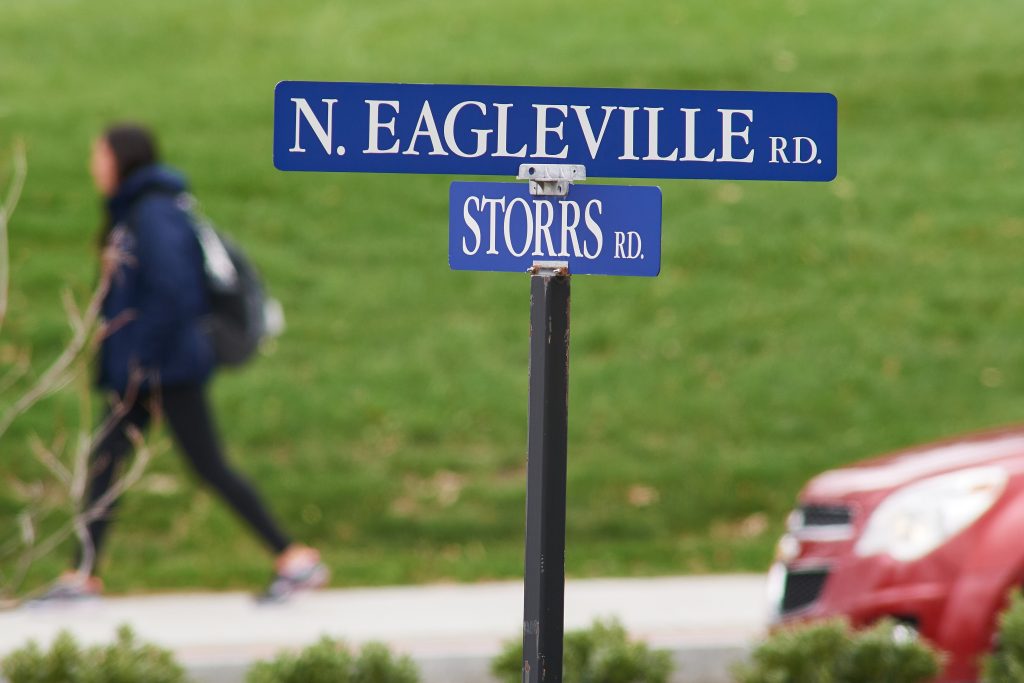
596, 229
614, 133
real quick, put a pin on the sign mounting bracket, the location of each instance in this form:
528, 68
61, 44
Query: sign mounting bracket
551, 180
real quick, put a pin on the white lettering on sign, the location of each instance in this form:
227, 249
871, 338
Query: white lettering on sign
375, 125
569, 227
627, 134
812, 151
502, 145
472, 129
473, 226
652, 137
544, 228
593, 206
779, 150
494, 204
543, 129
426, 126
728, 134
690, 138
628, 245
528, 222
304, 111
481, 134
593, 143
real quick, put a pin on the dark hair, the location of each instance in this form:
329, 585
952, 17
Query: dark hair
133, 145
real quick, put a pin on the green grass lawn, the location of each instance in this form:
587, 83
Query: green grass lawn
794, 327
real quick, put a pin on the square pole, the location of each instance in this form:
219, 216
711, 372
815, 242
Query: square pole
544, 610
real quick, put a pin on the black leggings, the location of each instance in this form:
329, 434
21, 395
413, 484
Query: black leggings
188, 416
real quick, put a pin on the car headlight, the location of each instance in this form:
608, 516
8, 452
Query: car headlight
915, 520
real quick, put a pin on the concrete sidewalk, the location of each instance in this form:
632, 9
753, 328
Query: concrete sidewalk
452, 631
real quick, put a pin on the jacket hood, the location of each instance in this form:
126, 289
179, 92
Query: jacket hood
154, 178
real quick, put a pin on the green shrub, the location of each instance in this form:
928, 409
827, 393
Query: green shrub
1006, 664
599, 654
330, 661
829, 652
123, 661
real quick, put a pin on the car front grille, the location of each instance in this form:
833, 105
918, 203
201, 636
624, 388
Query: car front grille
802, 588
825, 515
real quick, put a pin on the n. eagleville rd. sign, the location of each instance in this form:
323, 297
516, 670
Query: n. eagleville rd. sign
614, 133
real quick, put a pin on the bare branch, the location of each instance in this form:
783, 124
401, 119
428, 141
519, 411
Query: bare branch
28, 529
80, 467
80, 522
27, 541
18, 370
59, 442
24, 534
83, 323
74, 316
10, 546
49, 460
88, 548
86, 445
56, 373
34, 553
23, 490
61, 383
113, 325
20, 164
143, 455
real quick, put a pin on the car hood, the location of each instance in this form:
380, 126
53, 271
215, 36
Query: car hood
898, 469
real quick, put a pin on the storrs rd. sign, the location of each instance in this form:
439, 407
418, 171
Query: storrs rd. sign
595, 229
614, 133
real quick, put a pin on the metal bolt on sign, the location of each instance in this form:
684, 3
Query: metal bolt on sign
551, 180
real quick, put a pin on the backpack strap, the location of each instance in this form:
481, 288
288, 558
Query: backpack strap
221, 273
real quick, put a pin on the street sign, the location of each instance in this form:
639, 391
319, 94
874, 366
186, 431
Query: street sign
595, 229
615, 133
552, 227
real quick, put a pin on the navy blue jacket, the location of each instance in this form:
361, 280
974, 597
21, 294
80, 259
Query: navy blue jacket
157, 296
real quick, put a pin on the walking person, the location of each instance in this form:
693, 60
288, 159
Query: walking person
155, 357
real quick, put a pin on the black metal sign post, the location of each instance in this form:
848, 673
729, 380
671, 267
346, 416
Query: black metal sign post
543, 613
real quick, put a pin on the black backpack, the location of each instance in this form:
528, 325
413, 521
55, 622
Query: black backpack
242, 317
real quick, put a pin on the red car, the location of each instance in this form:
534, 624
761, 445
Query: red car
932, 536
